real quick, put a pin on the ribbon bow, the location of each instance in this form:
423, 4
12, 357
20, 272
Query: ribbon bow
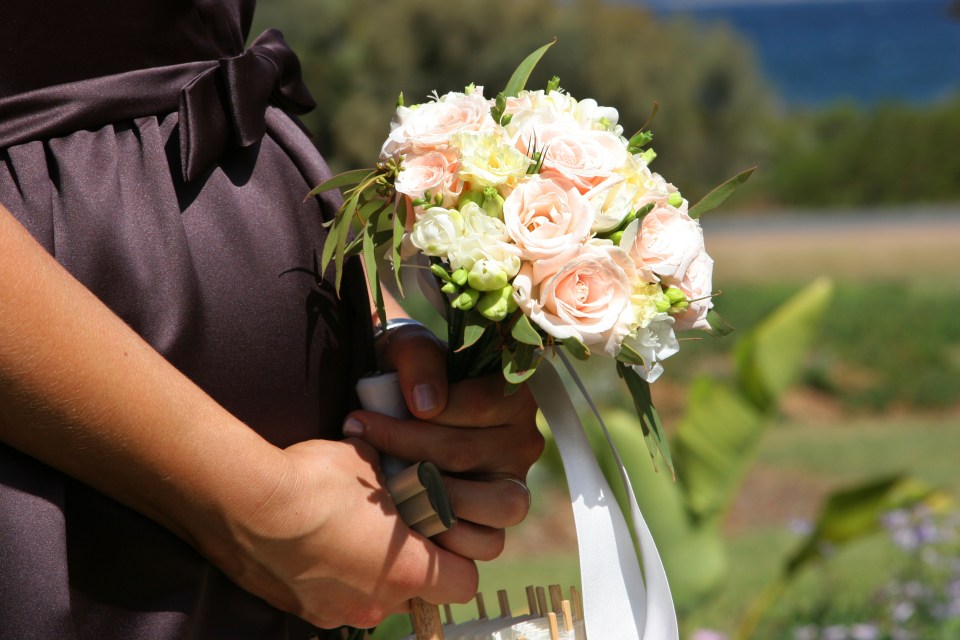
227, 103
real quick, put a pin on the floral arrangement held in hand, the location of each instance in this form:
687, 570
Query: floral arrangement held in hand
543, 225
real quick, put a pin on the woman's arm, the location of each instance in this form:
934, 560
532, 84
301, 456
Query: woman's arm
82, 392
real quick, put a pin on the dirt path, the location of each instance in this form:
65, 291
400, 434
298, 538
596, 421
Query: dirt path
863, 245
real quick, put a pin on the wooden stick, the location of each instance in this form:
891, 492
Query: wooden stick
567, 616
532, 602
481, 608
556, 596
542, 601
577, 603
426, 620
504, 603
554, 629
448, 614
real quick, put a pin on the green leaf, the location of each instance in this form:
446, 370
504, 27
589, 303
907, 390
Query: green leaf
716, 197
398, 229
519, 78
653, 433
719, 327
472, 332
576, 348
715, 442
356, 176
771, 357
523, 331
370, 263
518, 365
854, 512
628, 355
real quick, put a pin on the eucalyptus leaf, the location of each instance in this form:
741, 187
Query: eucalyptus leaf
370, 263
628, 355
716, 197
356, 176
472, 332
523, 331
519, 78
719, 327
653, 432
398, 230
576, 348
518, 365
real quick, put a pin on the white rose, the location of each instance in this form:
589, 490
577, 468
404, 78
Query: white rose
487, 159
588, 298
585, 158
547, 221
666, 241
433, 171
428, 126
697, 285
436, 231
654, 343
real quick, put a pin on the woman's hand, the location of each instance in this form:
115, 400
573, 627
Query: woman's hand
327, 543
486, 441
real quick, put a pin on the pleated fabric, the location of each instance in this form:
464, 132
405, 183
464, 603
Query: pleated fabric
208, 252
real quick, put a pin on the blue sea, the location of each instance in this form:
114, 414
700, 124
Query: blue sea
823, 51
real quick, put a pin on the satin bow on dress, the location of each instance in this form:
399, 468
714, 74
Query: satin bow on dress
220, 102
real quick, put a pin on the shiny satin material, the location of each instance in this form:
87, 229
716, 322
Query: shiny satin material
153, 169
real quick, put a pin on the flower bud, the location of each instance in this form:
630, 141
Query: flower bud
495, 305
675, 199
675, 295
450, 287
487, 275
459, 277
440, 272
616, 236
492, 203
466, 300
475, 196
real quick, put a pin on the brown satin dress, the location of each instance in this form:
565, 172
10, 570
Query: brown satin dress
155, 156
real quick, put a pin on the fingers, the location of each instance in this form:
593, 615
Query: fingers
440, 575
509, 449
420, 361
483, 402
472, 541
497, 503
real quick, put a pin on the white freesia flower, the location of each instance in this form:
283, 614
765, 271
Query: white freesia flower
487, 159
429, 126
436, 231
655, 342
588, 298
483, 239
590, 115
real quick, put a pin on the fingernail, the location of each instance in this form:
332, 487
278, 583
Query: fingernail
353, 428
424, 398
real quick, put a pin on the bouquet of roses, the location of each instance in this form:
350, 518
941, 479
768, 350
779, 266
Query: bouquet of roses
544, 227
541, 229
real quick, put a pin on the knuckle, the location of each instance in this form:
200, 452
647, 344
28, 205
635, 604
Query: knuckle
462, 455
494, 546
516, 505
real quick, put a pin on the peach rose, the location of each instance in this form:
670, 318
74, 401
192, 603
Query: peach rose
697, 285
548, 221
428, 126
585, 158
435, 172
666, 241
588, 298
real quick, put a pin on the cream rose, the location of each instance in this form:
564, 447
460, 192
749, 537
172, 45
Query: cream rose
429, 126
436, 231
434, 172
482, 240
697, 285
585, 158
666, 241
548, 222
588, 298
488, 160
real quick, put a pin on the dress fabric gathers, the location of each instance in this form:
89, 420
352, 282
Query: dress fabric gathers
158, 159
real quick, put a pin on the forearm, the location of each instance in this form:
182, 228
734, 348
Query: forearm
82, 392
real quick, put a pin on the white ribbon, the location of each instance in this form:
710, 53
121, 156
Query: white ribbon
617, 601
